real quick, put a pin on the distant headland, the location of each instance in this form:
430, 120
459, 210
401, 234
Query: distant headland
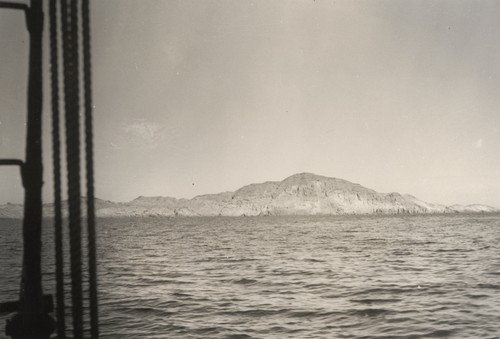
299, 194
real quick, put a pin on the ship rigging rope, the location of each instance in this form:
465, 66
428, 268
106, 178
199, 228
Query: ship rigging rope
72, 123
56, 163
87, 82
70, 16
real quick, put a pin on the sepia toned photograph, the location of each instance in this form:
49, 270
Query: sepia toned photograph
250, 169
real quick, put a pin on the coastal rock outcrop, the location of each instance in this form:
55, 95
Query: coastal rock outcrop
299, 194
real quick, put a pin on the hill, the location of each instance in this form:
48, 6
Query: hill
299, 194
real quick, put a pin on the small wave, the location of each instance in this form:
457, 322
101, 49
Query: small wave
439, 334
244, 281
477, 296
398, 320
240, 259
397, 252
407, 268
388, 290
375, 301
207, 330
377, 239
369, 312
238, 336
181, 295
313, 314
303, 314
425, 243
254, 312
458, 250
316, 286
489, 286
149, 311
164, 281
295, 272
314, 260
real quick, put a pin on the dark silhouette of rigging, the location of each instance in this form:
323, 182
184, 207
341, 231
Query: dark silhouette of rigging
32, 319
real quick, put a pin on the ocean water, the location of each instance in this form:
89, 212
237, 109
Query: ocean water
434, 276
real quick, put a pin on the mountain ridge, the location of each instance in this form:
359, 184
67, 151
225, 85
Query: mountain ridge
299, 194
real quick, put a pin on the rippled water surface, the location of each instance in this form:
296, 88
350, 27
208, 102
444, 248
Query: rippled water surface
290, 277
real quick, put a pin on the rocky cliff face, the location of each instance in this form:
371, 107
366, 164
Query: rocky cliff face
299, 194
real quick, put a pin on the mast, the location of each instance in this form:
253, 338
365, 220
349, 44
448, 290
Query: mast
32, 319
33, 168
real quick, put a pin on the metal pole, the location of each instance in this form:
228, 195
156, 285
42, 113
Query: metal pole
32, 321
33, 166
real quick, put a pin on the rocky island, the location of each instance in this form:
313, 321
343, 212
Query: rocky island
299, 194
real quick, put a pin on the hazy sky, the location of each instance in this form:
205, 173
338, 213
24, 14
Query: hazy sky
200, 96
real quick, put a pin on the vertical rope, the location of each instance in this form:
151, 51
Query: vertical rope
72, 122
56, 161
87, 80
69, 17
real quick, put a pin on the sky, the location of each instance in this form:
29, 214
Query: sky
195, 97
